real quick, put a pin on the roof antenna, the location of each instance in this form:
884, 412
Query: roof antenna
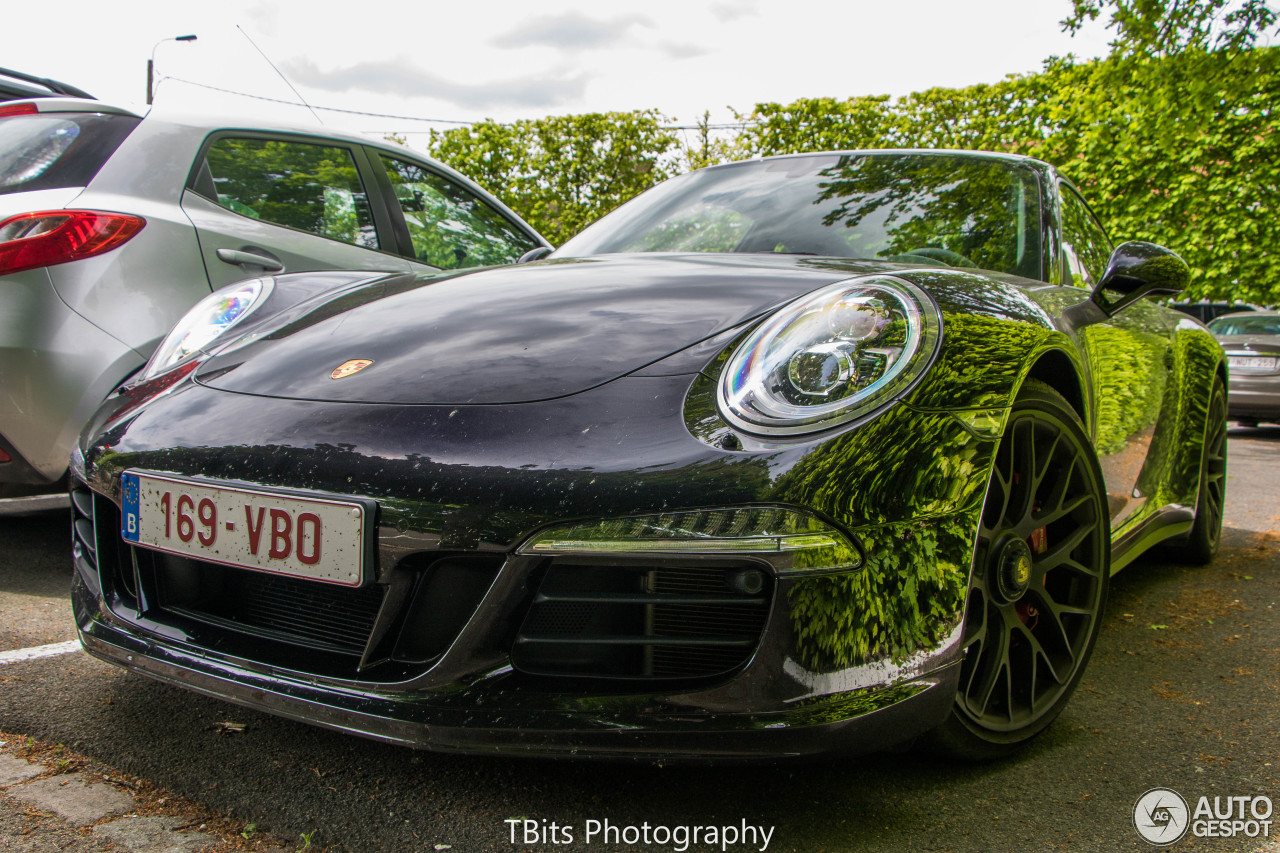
282, 77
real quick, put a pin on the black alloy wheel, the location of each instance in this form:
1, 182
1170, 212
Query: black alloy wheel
1206, 533
1039, 581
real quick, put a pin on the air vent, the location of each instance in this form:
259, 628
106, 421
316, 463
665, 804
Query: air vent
84, 543
644, 622
300, 613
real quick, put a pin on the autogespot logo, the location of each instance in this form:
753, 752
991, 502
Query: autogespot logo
1161, 816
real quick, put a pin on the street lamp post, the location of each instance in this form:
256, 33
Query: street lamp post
151, 65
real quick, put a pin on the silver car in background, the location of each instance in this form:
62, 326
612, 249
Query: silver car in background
1252, 342
113, 225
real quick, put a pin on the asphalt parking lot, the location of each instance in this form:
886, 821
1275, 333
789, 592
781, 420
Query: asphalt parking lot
1181, 693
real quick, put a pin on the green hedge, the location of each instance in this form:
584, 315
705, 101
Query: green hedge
1182, 150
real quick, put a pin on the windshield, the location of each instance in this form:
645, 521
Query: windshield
1258, 324
937, 209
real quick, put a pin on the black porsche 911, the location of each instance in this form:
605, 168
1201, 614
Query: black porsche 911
809, 454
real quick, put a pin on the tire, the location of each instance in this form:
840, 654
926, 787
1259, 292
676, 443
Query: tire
1038, 585
1202, 542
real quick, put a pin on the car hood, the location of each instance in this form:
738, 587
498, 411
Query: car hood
513, 334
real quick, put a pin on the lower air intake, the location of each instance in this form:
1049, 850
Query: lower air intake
644, 622
298, 612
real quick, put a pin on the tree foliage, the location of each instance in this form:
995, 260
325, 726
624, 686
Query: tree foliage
562, 172
1165, 27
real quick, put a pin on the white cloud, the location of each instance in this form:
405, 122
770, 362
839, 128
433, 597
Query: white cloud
732, 11
401, 78
571, 31
683, 50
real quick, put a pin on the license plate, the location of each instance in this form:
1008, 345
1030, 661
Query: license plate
319, 539
1252, 362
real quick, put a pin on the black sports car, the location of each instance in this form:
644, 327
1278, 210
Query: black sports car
788, 456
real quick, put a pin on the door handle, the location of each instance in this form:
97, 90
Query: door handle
243, 257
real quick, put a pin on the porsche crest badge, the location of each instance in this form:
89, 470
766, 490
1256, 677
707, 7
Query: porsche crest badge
350, 368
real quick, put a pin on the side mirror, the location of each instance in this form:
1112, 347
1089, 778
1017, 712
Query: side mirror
534, 255
1138, 269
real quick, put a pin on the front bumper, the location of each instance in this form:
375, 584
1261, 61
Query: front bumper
639, 727
847, 661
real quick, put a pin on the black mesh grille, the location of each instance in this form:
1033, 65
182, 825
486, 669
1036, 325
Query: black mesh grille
559, 618
643, 622
300, 612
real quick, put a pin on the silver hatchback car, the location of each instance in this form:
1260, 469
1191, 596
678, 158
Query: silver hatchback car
113, 225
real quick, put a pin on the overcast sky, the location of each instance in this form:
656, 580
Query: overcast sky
508, 60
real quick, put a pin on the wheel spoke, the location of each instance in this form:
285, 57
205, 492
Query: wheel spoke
1010, 482
1042, 468
1023, 460
1058, 493
1059, 610
1038, 654
1000, 491
1052, 613
990, 661
973, 634
1060, 511
1060, 552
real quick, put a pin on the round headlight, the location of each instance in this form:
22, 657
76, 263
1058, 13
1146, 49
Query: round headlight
208, 320
830, 357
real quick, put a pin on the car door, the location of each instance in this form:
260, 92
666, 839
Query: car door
1130, 355
264, 203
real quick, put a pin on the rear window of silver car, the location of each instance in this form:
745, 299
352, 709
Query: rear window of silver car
1258, 324
42, 151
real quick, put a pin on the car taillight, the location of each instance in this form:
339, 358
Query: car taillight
17, 110
31, 240
4, 457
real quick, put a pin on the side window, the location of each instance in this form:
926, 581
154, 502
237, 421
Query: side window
314, 188
1084, 243
450, 227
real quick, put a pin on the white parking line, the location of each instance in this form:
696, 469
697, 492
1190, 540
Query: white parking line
39, 652
35, 503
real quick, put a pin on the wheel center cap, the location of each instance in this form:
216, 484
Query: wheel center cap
1013, 569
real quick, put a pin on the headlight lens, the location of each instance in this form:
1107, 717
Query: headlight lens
830, 357
209, 319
